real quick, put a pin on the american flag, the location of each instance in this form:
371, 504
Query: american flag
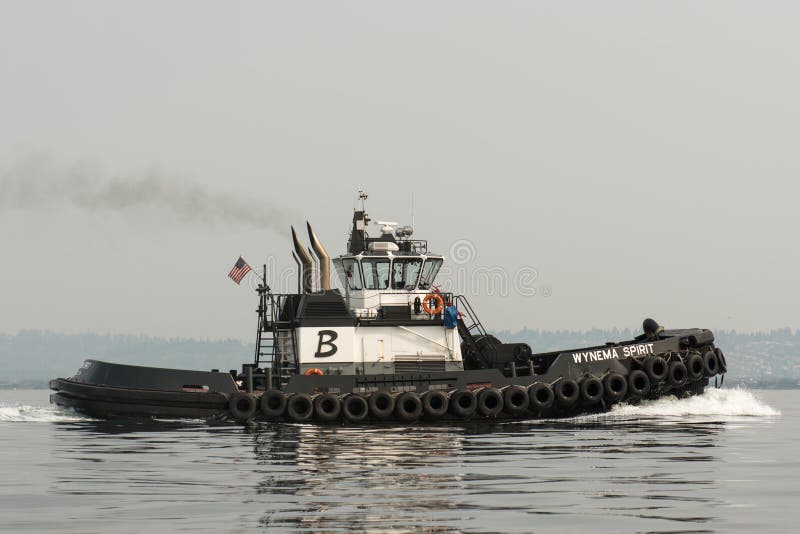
240, 269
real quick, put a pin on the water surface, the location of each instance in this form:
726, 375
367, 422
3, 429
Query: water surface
723, 462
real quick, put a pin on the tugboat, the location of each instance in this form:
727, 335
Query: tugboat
389, 345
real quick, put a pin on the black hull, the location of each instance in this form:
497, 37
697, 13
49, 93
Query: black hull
108, 390
114, 403
110, 402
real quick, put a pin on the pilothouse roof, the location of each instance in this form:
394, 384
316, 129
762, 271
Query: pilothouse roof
391, 260
392, 239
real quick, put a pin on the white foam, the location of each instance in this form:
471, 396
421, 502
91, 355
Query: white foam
21, 413
714, 403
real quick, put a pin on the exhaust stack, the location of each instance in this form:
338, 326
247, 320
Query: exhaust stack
305, 260
324, 260
314, 267
299, 269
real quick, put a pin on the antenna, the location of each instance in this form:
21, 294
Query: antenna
412, 210
362, 196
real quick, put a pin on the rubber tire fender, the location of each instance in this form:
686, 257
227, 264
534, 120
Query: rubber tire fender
723, 364
242, 406
490, 402
656, 368
355, 407
515, 400
567, 392
678, 374
463, 403
434, 403
408, 406
695, 367
327, 407
541, 396
300, 407
272, 403
381, 405
711, 363
638, 383
615, 387
591, 390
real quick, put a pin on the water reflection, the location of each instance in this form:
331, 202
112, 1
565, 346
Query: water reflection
485, 476
595, 474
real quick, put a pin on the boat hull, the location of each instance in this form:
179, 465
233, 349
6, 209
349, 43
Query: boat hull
112, 402
598, 380
109, 390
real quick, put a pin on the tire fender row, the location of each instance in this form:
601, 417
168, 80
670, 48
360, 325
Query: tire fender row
651, 374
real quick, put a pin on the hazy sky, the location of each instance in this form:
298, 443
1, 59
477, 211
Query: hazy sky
642, 157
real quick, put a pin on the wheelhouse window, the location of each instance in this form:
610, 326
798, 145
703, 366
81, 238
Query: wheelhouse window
429, 272
352, 271
405, 272
376, 273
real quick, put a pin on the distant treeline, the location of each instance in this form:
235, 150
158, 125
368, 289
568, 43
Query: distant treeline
31, 357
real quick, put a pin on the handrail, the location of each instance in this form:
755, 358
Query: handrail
489, 358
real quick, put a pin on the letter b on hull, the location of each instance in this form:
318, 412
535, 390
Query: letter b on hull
326, 342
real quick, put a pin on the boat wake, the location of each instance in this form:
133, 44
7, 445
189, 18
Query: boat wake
716, 404
21, 413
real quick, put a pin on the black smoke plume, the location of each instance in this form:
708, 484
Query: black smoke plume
36, 183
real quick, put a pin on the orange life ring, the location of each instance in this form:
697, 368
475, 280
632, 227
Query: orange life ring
314, 371
439, 304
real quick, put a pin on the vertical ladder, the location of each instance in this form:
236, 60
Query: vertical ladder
272, 350
265, 338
